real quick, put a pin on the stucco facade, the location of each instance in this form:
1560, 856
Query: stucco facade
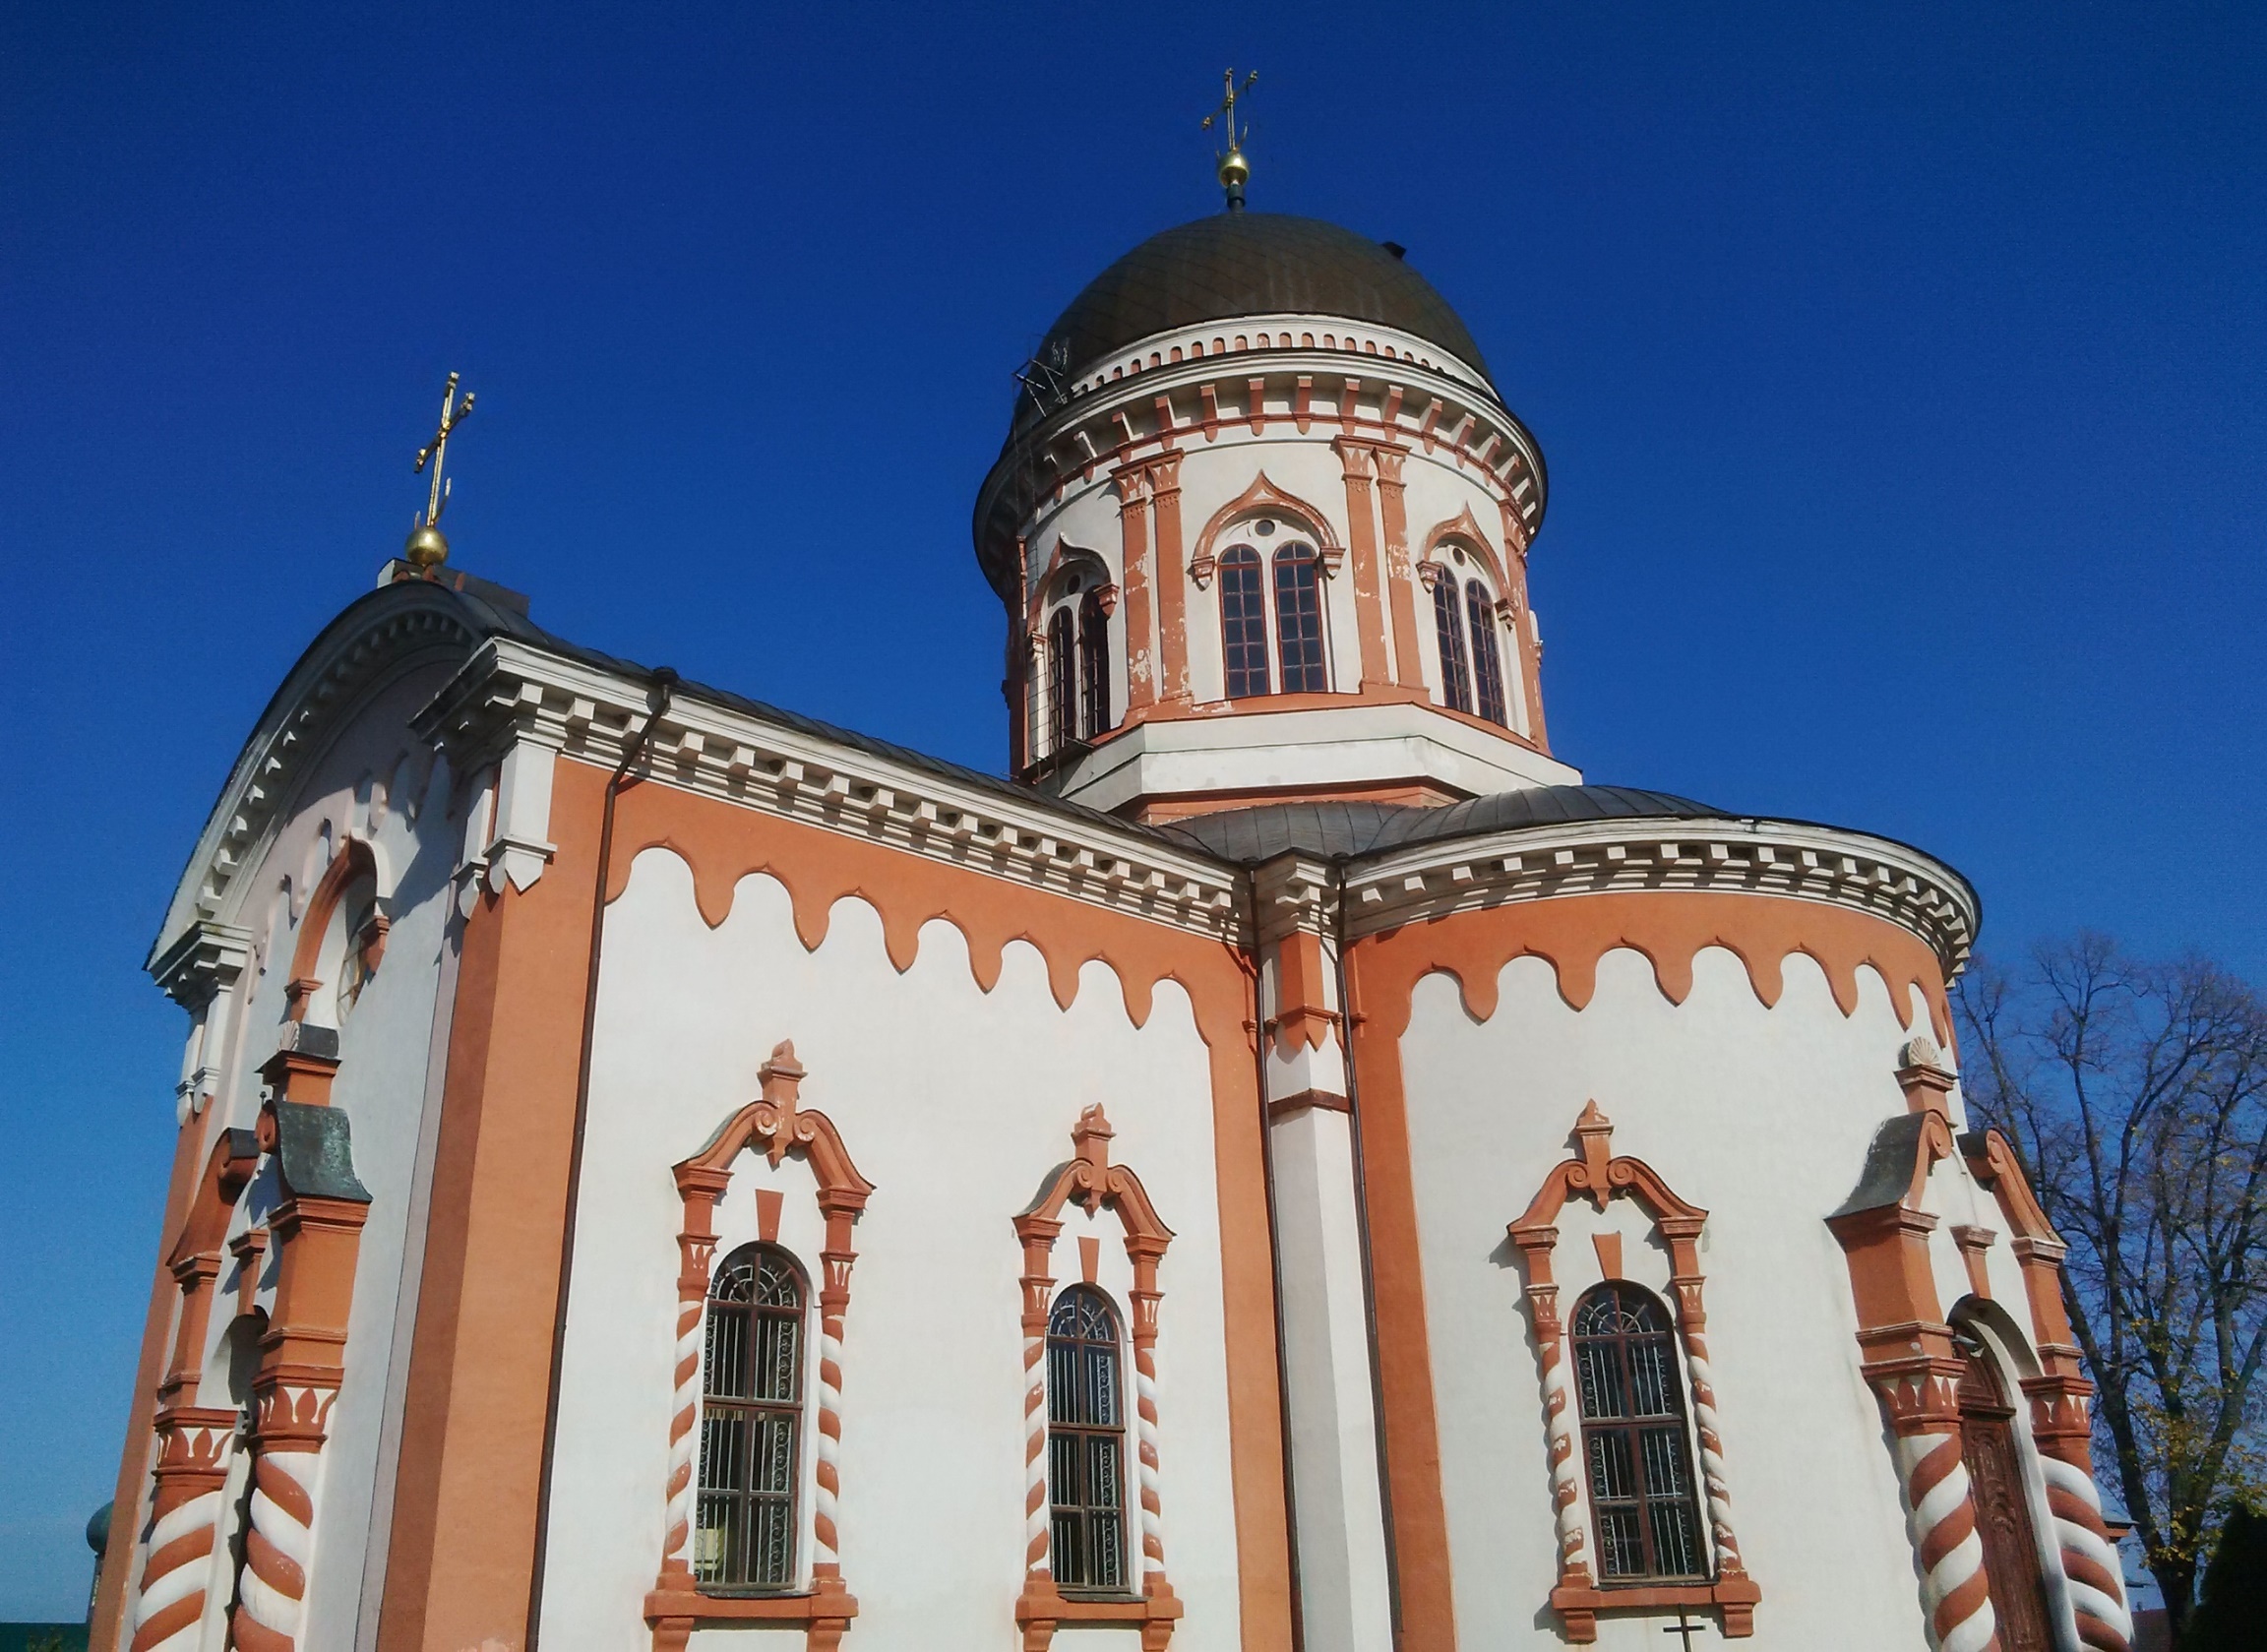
1181, 1195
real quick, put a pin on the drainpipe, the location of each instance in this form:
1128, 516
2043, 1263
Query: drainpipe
1362, 1226
1276, 1260
661, 688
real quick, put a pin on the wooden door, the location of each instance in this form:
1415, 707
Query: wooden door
2002, 1510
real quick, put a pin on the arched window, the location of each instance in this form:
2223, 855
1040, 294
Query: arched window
1243, 623
1094, 666
1062, 682
1634, 1448
1086, 1442
751, 1424
1299, 621
1449, 628
1487, 662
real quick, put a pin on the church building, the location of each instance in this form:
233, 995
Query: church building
1293, 1168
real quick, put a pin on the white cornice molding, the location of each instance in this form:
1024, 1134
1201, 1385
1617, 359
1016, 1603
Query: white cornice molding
414, 626
1823, 864
513, 692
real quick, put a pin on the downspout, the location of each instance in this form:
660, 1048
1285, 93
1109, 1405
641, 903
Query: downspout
1275, 1261
1346, 1021
659, 691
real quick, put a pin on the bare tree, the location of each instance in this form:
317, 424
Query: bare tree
2136, 1094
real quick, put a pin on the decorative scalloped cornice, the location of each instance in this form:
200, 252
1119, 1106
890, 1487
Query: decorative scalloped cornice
1823, 864
512, 692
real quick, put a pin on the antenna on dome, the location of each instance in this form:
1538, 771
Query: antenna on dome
1234, 168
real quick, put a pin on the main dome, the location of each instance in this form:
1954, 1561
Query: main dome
1251, 263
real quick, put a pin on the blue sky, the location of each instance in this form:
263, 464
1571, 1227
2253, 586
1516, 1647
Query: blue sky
1900, 376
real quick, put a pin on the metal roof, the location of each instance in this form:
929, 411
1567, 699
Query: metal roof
1248, 264
1343, 831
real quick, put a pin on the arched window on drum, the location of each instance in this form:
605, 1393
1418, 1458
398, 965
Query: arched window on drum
1073, 682
1086, 1417
1273, 638
1636, 1447
752, 1387
1468, 639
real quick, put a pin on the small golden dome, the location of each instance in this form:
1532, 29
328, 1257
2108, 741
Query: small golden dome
426, 547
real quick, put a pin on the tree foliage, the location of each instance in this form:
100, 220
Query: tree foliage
2135, 1092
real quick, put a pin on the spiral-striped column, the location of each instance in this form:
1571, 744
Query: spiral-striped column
280, 1549
1145, 1252
1536, 1242
1711, 1447
684, 1411
834, 1302
2090, 1561
193, 1448
1940, 1518
1038, 1237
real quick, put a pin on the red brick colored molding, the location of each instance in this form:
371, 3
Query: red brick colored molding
1596, 1172
353, 863
775, 1124
1090, 1178
1668, 928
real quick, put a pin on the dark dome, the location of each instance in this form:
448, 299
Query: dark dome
1251, 263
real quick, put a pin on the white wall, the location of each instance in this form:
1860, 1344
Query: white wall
1762, 1117
956, 1103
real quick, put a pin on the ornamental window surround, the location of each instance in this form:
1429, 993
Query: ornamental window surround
1467, 636
1073, 683
1273, 639
748, 1509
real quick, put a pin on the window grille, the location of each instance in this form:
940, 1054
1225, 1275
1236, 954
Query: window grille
1299, 621
1634, 1437
1456, 681
1244, 622
1085, 1443
751, 1424
1094, 669
1487, 663
1062, 683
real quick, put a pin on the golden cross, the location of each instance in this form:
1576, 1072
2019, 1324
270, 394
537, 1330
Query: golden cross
452, 414
1226, 113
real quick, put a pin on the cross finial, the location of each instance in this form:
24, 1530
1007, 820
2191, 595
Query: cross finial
1234, 168
426, 547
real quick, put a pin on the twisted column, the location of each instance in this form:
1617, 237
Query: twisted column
1683, 1236
2090, 1562
699, 1187
828, 1626
279, 1548
1038, 1237
193, 1448
1145, 1252
1537, 1244
1940, 1520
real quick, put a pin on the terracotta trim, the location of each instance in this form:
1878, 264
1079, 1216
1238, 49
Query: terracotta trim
1132, 485
1596, 1171
722, 843
1324, 1101
1172, 580
1668, 928
462, 1555
1465, 530
1090, 1176
775, 1124
353, 862
1368, 577
1400, 575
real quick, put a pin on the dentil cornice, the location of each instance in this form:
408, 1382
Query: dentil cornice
513, 692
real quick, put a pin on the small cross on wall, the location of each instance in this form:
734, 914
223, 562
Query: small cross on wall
1684, 1627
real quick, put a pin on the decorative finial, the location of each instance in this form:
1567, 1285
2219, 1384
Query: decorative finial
426, 547
1234, 168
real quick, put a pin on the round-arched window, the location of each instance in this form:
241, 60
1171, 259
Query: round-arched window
1636, 1456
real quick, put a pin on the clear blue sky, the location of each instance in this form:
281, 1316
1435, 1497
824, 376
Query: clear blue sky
1900, 378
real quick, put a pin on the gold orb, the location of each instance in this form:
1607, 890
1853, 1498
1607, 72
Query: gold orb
426, 547
1234, 168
